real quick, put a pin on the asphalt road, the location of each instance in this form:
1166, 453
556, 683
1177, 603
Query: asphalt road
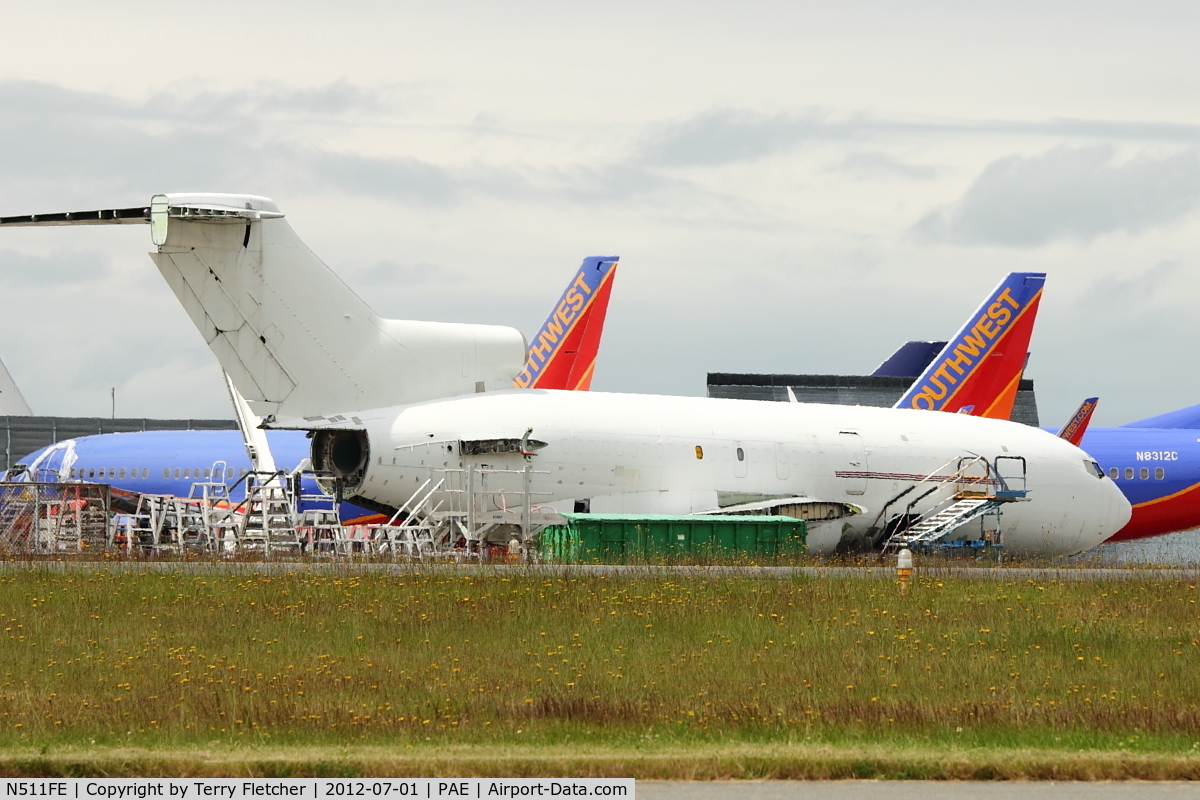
911, 790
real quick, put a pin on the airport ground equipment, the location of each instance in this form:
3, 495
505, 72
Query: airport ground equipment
974, 489
483, 513
660, 538
53, 517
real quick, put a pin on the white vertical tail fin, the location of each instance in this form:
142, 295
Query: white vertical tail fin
295, 340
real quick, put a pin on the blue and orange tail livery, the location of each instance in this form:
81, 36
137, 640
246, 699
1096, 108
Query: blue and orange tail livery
562, 354
1077, 426
981, 366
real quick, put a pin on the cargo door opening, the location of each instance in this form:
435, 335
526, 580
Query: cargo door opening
855, 470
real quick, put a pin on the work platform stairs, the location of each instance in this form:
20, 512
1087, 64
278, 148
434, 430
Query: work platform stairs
475, 512
268, 520
972, 488
468, 513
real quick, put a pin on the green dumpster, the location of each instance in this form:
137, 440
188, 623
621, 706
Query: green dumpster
660, 538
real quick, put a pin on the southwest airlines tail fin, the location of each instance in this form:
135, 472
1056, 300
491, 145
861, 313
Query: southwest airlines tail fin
295, 340
982, 365
562, 354
12, 404
1076, 427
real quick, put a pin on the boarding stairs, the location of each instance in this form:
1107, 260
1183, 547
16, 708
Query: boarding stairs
933, 528
413, 531
980, 489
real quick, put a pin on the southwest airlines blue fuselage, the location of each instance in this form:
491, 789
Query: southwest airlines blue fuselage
1157, 467
169, 462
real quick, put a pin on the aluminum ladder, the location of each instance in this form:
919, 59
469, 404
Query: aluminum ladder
933, 528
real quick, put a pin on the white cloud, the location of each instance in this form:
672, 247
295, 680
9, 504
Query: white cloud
1068, 193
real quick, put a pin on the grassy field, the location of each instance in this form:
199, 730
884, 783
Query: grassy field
206, 672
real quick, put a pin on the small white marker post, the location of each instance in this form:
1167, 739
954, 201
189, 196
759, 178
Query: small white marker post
904, 569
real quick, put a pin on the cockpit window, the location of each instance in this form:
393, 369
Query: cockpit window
1094, 468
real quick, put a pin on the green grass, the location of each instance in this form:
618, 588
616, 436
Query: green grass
824, 672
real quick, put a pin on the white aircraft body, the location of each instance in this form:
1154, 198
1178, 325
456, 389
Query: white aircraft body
653, 454
389, 400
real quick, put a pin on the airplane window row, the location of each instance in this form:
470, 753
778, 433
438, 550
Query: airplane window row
1143, 473
92, 473
208, 473
111, 472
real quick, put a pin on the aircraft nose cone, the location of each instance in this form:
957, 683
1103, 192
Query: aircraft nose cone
1108, 511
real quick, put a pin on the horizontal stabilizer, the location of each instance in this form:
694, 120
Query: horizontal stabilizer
162, 209
111, 216
1077, 426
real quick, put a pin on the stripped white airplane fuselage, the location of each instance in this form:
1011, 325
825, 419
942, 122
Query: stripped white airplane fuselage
654, 454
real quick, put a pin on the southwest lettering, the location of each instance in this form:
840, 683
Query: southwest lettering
1004, 295
582, 284
930, 391
959, 361
554, 328
928, 404
971, 344
986, 327
942, 371
541, 349
575, 299
564, 311
999, 313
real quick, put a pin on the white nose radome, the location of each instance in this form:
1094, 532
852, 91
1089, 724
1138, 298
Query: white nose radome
1110, 510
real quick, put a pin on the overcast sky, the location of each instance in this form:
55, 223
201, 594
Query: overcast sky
791, 187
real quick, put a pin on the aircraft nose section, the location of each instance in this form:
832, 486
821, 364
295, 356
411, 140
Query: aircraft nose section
1109, 512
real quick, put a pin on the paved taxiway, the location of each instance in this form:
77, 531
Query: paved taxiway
781, 573
912, 790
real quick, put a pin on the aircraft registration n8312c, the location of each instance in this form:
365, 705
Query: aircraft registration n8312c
387, 400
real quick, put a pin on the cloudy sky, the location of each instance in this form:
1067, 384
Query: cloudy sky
791, 187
